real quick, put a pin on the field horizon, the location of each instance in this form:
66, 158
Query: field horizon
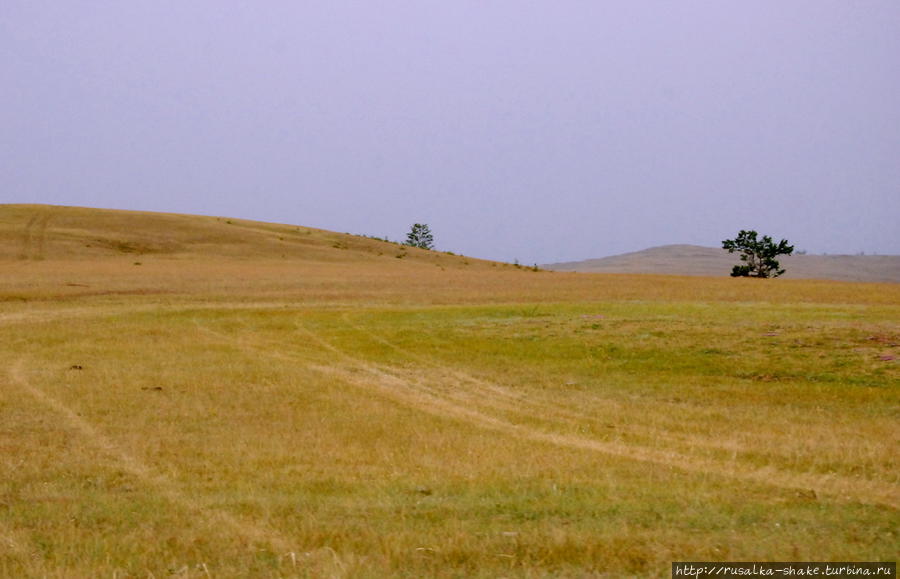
214, 397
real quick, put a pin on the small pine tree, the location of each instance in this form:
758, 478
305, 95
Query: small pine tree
758, 255
420, 236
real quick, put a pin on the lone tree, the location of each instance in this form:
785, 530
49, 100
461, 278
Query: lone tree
758, 255
420, 236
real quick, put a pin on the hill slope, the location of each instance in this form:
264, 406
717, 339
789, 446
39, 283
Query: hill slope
709, 261
53, 253
45, 232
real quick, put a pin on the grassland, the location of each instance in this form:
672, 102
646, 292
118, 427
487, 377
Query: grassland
208, 397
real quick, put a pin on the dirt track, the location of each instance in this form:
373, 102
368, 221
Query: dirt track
429, 387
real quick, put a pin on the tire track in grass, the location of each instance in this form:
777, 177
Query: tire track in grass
503, 398
246, 530
406, 392
417, 391
491, 393
518, 404
399, 389
25, 252
34, 236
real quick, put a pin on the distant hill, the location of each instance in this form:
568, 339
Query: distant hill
710, 261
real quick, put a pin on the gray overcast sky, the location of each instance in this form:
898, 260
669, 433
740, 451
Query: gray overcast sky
532, 130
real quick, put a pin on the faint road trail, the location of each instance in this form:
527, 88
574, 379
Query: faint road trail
34, 236
159, 483
415, 394
490, 393
883, 493
445, 396
443, 391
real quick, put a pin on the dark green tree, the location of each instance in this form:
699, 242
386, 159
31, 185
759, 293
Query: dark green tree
420, 236
758, 255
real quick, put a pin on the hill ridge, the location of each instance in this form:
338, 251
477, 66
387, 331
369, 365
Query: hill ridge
698, 260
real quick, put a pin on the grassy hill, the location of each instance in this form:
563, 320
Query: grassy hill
710, 261
209, 397
84, 251
40, 232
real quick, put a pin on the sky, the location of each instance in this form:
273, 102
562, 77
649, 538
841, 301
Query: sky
537, 131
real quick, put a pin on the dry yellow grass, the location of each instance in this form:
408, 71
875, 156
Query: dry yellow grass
220, 410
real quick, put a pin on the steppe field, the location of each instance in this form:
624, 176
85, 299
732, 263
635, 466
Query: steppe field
210, 397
